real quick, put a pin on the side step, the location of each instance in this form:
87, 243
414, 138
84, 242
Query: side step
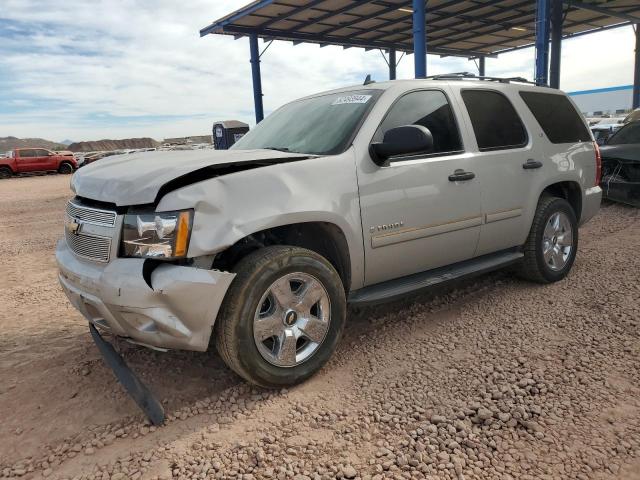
392, 289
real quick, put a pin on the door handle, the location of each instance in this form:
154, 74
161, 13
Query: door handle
461, 176
531, 164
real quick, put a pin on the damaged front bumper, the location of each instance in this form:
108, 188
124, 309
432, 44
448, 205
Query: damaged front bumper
175, 310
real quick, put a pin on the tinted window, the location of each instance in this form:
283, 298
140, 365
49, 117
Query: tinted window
429, 109
42, 153
27, 153
495, 121
558, 118
630, 133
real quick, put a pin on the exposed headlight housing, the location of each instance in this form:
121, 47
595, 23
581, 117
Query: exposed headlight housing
163, 235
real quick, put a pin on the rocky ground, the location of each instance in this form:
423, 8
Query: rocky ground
494, 378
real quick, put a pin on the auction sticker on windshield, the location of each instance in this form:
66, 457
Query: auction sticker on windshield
351, 99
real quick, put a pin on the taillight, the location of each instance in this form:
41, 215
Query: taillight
598, 164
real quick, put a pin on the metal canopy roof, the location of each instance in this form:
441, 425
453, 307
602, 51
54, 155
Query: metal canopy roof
469, 28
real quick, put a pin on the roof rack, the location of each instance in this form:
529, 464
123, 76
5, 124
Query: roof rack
471, 76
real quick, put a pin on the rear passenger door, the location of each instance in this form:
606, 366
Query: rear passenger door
26, 160
507, 166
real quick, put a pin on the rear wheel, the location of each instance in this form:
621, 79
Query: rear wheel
5, 172
282, 316
552, 244
65, 168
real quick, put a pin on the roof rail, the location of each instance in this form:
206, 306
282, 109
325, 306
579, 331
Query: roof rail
471, 76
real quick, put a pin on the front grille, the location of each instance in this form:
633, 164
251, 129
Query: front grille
88, 246
91, 215
89, 231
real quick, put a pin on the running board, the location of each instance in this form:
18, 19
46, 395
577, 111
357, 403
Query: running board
392, 289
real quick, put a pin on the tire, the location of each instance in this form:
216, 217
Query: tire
273, 362
5, 172
549, 233
65, 168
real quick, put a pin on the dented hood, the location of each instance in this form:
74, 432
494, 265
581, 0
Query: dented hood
141, 178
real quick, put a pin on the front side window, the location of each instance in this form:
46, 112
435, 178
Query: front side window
27, 153
495, 122
430, 109
630, 133
322, 125
558, 118
42, 153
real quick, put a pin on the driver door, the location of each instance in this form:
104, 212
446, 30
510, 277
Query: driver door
414, 216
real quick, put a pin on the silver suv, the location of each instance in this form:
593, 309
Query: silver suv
358, 195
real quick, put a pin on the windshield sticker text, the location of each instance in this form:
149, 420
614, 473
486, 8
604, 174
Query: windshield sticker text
351, 99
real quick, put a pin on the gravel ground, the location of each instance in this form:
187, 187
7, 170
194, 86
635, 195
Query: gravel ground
495, 378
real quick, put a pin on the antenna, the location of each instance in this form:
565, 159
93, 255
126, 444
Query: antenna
368, 80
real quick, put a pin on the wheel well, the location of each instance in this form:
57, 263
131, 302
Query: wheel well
571, 192
325, 239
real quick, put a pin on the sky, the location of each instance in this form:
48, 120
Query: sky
83, 70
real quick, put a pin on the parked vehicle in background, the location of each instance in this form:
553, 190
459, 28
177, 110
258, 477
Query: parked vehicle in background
602, 131
23, 160
359, 195
632, 117
621, 165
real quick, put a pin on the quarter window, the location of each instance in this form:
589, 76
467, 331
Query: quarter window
495, 122
430, 109
557, 117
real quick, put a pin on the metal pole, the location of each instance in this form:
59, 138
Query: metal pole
392, 64
481, 66
556, 43
419, 39
255, 73
636, 75
542, 41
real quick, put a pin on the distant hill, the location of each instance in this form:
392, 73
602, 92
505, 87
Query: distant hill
106, 145
9, 143
66, 142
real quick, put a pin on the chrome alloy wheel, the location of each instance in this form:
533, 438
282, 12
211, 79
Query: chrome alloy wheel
557, 241
292, 319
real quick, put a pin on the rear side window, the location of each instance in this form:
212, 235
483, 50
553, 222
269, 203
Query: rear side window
27, 153
558, 118
495, 122
430, 109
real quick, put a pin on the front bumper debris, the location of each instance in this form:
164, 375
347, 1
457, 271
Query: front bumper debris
176, 309
138, 390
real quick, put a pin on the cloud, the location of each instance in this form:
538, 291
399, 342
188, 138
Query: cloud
121, 68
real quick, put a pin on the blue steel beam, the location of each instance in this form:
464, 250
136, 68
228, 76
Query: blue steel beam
636, 70
557, 17
543, 21
255, 73
419, 39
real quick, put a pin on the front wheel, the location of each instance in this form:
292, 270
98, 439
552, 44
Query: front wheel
552, 244
282, 317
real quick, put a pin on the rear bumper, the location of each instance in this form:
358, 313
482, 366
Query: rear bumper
590, 204
176, 310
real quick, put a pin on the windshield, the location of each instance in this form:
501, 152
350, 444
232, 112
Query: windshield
320, 125
630, 133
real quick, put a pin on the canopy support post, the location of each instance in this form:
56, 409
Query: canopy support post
636, 74
419, 39
543, 20
392, 64
482, 66
255, 73
556, 43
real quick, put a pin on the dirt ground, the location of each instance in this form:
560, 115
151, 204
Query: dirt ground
493, 378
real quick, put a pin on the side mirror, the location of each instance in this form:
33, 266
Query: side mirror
405, 140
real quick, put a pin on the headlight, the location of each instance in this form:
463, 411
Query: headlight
157, 235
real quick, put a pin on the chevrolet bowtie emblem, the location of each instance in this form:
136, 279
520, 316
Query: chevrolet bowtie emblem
74, 227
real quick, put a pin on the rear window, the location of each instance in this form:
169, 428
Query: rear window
558, 118
495, 122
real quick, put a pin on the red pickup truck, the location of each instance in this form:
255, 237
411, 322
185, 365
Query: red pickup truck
22, 160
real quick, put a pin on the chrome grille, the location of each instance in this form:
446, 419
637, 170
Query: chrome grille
95, 216
88, 246
89, 231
